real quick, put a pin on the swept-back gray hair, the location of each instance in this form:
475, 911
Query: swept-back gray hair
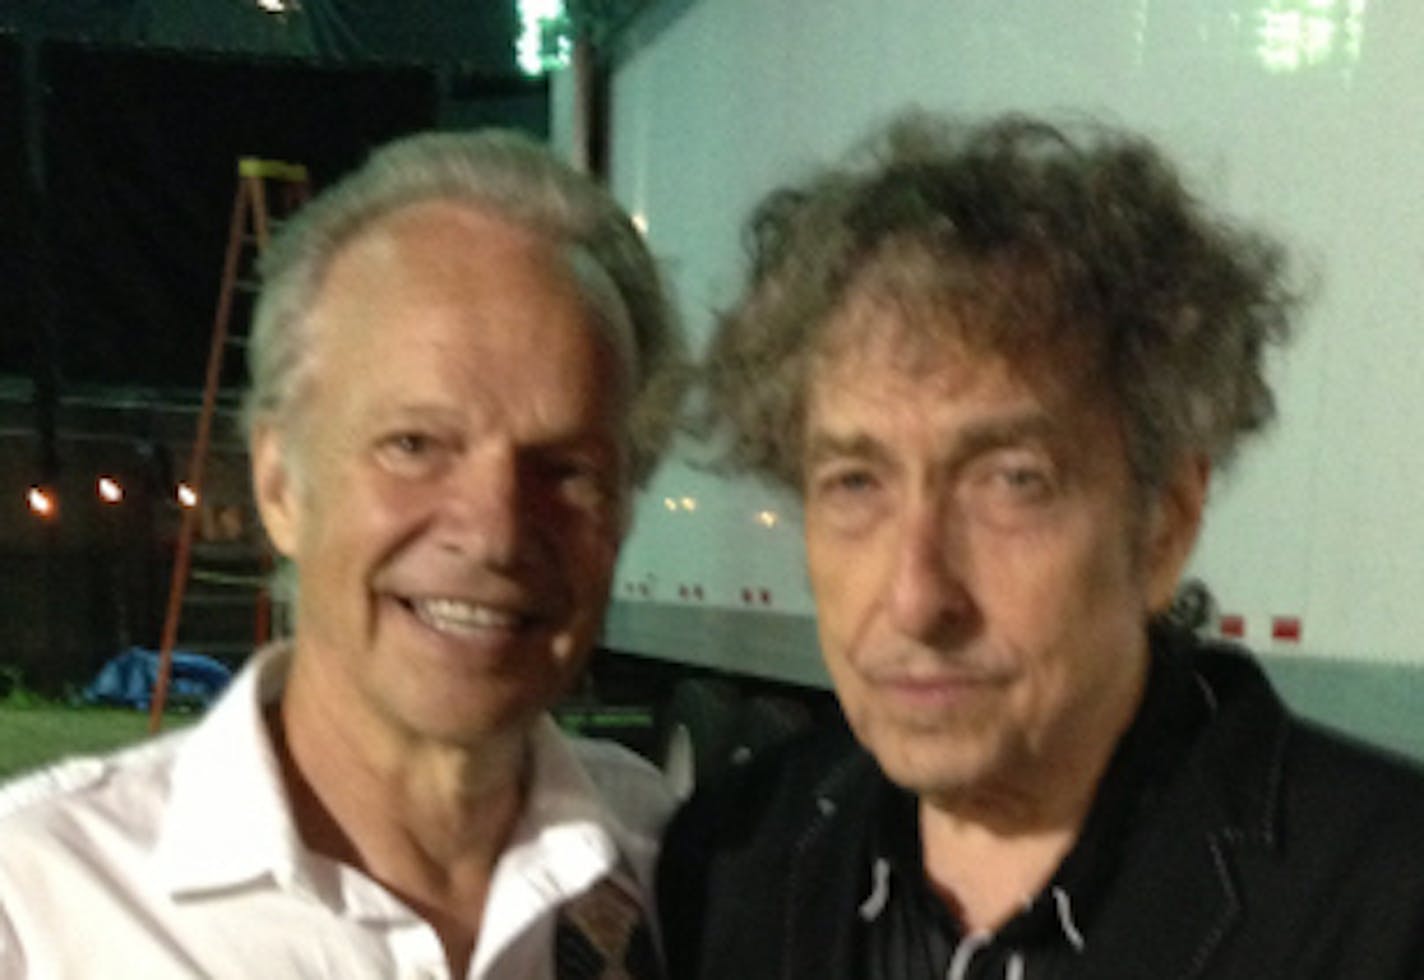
501, 172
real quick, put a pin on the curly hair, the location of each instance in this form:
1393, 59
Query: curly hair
1025, 234
514, 177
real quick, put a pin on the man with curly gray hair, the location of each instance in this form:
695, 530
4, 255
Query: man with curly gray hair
460, 366
1000, 364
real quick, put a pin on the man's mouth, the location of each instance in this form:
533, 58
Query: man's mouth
463, 618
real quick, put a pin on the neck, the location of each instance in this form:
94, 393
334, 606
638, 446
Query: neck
983, 874
427, 820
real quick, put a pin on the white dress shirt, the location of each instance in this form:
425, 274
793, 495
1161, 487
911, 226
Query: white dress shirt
180, 858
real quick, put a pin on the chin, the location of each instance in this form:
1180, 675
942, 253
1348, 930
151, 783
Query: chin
930, 765
445, 716
931, 778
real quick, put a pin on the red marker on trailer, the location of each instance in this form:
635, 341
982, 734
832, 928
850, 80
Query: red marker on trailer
1285, 629
1233, 626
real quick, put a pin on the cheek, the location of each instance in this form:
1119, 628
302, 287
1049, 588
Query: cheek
1059, 576
593, 571
1071, 612
826, 572
357, 521
584, 549
847, 586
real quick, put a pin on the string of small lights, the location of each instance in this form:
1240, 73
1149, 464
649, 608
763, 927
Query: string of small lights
43, 499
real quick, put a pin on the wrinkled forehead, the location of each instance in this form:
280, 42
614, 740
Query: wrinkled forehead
457, 233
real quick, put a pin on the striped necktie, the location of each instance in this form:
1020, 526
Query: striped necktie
603, 935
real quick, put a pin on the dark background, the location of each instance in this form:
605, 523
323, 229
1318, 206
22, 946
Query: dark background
15, 340
474, 34
140, 154
121, 123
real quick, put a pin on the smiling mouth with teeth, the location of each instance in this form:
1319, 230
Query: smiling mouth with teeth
458, 616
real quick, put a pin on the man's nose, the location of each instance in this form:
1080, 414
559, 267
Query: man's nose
929, 596
482, 512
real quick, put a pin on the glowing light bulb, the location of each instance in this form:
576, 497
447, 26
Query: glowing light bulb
110, 490
41, 502
187, 496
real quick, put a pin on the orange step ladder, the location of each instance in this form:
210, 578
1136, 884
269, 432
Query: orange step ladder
255, 213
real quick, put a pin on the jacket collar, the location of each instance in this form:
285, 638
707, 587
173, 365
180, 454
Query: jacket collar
1178, 882
1241, 757
827, 873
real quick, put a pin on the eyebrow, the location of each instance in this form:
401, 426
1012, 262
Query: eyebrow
1013, 430
980, 437
858, 445
406, 411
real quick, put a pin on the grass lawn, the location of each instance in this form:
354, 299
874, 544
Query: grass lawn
32, 735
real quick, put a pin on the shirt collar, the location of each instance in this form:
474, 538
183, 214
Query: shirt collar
565, 814
228, 822
565, 842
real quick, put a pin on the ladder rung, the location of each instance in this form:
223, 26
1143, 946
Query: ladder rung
294, 173
228, 578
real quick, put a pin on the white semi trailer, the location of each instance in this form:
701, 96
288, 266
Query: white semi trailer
1304, 116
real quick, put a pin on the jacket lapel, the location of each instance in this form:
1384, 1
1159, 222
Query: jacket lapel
1177, 899
827, 875
1169, 912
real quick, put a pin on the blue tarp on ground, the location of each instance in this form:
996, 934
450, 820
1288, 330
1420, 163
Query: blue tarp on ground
128, 679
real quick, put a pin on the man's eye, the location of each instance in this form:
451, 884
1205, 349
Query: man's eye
572, 469
410, 443
855, 482
565, 469
409, 453
849, 499
1024, 479
587, 482
1009, 491
848, 483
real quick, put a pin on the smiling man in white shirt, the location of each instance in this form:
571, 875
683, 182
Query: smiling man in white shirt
459, 368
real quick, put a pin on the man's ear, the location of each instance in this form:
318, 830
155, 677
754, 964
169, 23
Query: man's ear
275, 488
1174, 519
